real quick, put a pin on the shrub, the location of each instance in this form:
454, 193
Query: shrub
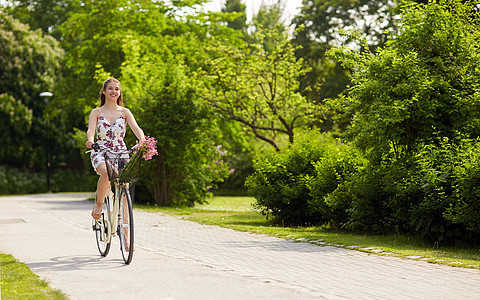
68, 180
291, 185
17, 181
340, 164
448, 176
364, 197
22, 181
434, 193
465, 206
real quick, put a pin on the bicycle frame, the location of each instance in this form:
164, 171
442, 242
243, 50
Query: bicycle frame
113, 210
118, 206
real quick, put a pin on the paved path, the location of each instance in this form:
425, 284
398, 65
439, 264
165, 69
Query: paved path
177, 259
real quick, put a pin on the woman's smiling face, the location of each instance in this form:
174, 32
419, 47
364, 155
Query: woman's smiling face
112, 90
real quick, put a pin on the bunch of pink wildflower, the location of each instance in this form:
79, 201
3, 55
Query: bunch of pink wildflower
148, 148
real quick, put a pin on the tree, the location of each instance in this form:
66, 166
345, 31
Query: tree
95, 37
29, 64
238, 19
46, 15
188, 163
166, 103
16, 121
425, 81
151, 48
322, 22
416, 116
257, 88
268, 18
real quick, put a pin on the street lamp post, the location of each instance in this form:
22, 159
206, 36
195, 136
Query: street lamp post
46, 97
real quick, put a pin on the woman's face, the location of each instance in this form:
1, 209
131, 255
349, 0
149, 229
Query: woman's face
112, 91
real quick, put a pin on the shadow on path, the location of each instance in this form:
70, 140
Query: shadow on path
74, 263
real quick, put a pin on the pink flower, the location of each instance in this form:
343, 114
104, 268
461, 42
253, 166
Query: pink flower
148, 148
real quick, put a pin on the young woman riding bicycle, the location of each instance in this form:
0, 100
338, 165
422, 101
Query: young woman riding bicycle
109, 121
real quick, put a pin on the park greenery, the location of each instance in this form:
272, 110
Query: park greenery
362, 115
19, 282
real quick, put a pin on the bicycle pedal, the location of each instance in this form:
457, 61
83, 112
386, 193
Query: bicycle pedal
95, 225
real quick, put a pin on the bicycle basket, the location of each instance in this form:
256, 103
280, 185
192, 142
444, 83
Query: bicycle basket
115, 163
131, 169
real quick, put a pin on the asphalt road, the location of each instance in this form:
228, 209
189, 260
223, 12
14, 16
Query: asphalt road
177, 259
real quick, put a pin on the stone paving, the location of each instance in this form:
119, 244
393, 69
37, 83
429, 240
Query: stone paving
331, 272
240, 265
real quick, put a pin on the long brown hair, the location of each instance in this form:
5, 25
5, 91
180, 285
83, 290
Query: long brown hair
102, 95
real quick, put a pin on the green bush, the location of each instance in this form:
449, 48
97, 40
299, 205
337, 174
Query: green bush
291, 185
17, 181
340, 163
447, 176
364, 198
22, 181
69, 180
465, 207
433, 194
431, 180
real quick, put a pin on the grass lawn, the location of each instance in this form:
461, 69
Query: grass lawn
18, 282
237, 213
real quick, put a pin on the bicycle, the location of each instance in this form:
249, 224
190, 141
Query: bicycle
121, 171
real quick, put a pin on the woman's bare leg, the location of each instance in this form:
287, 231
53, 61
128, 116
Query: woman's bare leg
102, 187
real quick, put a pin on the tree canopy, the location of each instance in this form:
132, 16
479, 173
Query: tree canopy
29, 64
425, 81
46, 15
258, 88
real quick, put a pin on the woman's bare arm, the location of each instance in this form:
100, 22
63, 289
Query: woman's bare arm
133, 125
92, 124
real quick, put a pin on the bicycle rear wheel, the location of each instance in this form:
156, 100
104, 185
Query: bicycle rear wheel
125, 225
102, 229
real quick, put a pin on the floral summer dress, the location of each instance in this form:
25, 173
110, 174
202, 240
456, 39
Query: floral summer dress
110, 136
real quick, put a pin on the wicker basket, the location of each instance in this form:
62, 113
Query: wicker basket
123, 168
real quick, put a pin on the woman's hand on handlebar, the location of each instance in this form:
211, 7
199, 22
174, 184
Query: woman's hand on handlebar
92, 145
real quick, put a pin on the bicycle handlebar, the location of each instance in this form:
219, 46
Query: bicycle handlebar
96, 147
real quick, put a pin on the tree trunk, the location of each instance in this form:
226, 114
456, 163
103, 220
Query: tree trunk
161, 188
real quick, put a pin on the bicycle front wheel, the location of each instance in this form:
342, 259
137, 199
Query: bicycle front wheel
102, 229
125, 225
